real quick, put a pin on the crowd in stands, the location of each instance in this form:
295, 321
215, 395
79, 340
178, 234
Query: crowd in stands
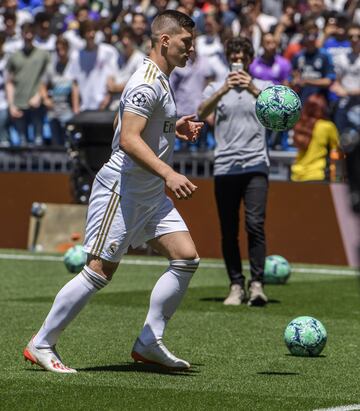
59, 58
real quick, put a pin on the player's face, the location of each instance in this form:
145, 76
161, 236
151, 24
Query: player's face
179, 47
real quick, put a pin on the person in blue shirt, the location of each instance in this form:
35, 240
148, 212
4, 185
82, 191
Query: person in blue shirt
312, 68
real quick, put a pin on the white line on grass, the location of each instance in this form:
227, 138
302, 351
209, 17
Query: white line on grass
352, 407
154, 262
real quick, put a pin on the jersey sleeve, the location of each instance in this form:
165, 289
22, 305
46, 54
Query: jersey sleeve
141, 100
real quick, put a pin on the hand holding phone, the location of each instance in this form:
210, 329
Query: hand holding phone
236, 66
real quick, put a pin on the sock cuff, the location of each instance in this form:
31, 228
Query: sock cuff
189, 266
94, 278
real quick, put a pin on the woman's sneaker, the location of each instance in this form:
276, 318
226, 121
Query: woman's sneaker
236, 295
257, 296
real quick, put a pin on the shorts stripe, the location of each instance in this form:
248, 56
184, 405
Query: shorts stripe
108, 211
108, 224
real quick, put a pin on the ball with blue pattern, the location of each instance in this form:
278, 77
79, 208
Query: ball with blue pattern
278, 108
75, 259
305, 336
277, 270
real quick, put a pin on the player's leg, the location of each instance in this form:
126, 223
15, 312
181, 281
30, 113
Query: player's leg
255, 198
228, 194
102, 216
168, 292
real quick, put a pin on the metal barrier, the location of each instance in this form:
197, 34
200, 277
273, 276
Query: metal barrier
60, 160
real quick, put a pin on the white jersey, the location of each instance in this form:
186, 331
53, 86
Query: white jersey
148, 95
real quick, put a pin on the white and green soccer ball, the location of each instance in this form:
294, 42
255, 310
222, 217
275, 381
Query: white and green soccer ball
75, 259
277, 270
278, 108
305, 337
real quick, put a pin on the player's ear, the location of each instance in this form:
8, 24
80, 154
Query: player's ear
164, 40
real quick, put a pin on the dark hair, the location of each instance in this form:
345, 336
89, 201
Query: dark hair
169, 21
9, 15
353, 26
62, 40
314, 109
2, 37
85, 26
42, 17
28, 27
237, 44
127, 31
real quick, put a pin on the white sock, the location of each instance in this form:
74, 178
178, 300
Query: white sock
166, 297
67, 304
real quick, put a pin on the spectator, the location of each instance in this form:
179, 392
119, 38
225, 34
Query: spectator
133, 59
4, 135
191, 80
335, 40
72, 33
347, 86
14, 41
140, 29
241, 169
286, 32
57, 18
210, 46
313, 70
44, 39
315, 137
26, 69
57, 92
22, 16
270, 65
90, 69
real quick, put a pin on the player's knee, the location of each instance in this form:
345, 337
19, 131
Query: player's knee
102, 267
185, 266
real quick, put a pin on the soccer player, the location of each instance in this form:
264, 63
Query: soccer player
128, 205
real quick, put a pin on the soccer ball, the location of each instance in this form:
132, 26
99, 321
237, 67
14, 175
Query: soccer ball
277, 270
75, 259
278, 108
305, 337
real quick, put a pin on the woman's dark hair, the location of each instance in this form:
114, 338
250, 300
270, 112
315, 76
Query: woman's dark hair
238, 44
314, 109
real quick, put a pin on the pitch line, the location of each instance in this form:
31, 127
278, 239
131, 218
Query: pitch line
352, 407
154, 262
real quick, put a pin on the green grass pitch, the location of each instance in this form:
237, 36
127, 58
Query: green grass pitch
239, 360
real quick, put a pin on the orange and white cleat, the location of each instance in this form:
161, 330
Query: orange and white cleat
157, 353
46, 358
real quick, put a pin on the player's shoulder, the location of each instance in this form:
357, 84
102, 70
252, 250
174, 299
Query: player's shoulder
149, 76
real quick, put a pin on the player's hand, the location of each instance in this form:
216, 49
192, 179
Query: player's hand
180, 185
187, 129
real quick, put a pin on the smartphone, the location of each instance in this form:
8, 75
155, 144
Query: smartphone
236, 66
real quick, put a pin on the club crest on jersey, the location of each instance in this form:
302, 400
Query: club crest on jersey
113, 248
139, 99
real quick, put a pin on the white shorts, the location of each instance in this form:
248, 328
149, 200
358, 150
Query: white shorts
114, 222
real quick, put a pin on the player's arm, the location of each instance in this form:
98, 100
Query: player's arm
132, 126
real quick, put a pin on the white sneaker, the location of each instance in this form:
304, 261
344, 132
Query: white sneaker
236, 295
257, 296
157, 353
47, 358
